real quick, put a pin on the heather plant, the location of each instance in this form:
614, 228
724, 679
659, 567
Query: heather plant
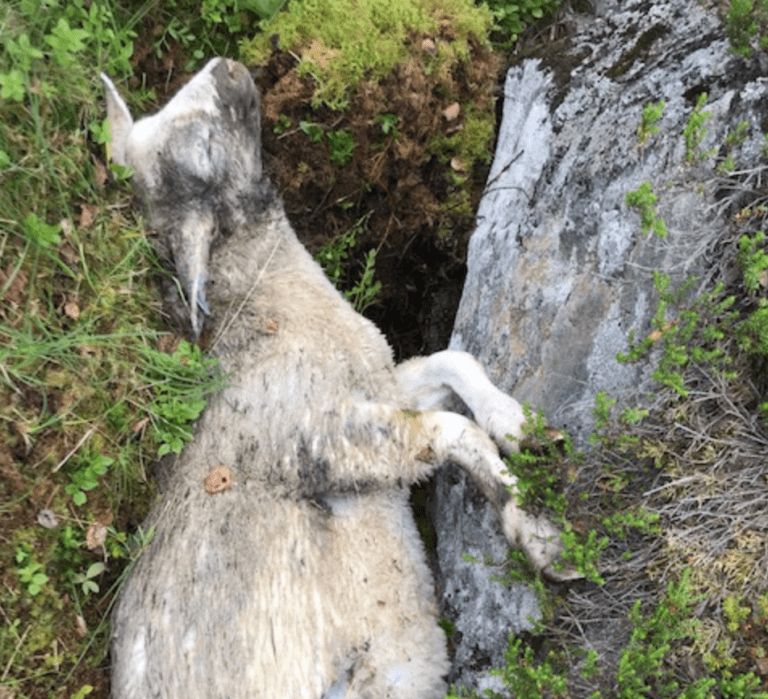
648, 125
643, 200
694, 131
745, 21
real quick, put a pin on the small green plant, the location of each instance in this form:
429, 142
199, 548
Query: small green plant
643, 200
448, 627
314, 131
584, 552
182, 383
651, 114
181, 32
333, 256
734, 139
388, 123
589, 666
631, 415
642, 671
744, 686
726, 166
524, 677
66, 42
536, 479
694, 335
738, 136
602, 413
538, 483
753, 260
30, 572
637, 518
752, 332
735, 614
341, 144
745, 20
363, 294
90, 466
172, 416
40, 233
282, 125
511, 18
129, 546
86, 580
694, 131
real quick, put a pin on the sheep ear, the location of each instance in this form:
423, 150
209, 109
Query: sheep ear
120, 123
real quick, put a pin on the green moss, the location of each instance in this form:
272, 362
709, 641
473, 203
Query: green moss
463, 148
342, 42
472, 143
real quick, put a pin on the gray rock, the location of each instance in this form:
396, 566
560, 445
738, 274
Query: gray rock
558, 270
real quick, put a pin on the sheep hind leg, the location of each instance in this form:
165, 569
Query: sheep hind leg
449, 437
430, 383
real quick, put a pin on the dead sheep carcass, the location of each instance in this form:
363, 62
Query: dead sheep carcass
286, 562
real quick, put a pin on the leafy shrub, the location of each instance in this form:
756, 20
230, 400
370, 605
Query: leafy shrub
745, 20
512, 17
643, 200
182, 383
694, 131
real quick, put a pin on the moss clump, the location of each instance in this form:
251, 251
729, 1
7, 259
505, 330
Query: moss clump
342, 42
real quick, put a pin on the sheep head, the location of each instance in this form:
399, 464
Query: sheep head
197, 166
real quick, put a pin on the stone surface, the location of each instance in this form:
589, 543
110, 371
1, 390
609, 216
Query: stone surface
558, 270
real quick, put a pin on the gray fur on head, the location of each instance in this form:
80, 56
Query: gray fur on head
198, 168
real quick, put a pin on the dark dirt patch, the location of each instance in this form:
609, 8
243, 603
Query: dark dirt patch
393, 182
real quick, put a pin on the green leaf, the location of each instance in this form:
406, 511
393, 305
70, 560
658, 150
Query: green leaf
41, 233
314, 131
341, 143
66, 42
95, 569
13, 85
